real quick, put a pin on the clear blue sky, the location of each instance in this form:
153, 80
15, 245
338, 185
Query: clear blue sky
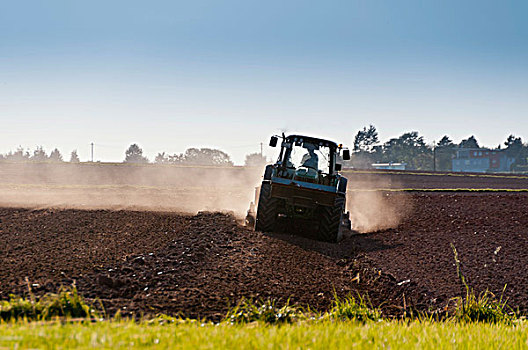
227, 74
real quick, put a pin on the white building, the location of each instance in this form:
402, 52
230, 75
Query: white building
389, 166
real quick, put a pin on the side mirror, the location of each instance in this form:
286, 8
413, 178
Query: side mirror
273, 141
338, 167
346, 154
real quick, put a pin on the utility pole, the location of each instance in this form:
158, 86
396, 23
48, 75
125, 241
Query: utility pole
92, 150
261, 149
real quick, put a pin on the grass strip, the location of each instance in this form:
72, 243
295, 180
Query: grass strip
67, 303
305, 335
382, 172
440, 190
350, 322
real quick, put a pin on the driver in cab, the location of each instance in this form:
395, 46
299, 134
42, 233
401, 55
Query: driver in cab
310, 159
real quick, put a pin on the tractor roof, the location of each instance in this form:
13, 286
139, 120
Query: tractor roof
314, 140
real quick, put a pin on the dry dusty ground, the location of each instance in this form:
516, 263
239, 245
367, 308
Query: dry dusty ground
165, 262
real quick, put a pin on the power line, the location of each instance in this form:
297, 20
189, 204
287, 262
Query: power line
245, 146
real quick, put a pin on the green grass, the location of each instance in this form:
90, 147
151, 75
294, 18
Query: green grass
350, 308
430, 173
66, 322
66, 303
440, 190
258, 335
484, 307
268, 311
350, 322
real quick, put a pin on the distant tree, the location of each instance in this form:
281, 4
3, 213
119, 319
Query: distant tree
409, 148
177, 159
255, 160
18, 156
470, 142
516, 150
366, 139
74, 158
445, 150
55, 156
366, 149
206, 156
161, 158
134, 154
39, 155
445, 142
513, 142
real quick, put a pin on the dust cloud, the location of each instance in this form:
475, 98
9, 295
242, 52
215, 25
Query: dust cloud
372, 206
372, 211
118, 186
174, 188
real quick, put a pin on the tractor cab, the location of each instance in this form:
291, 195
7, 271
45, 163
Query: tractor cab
308, 159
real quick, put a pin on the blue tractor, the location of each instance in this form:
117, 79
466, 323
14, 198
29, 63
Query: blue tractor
303, 186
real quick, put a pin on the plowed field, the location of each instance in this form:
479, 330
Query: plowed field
163, 262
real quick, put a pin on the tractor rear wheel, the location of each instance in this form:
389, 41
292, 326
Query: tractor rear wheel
330, 224
266, 210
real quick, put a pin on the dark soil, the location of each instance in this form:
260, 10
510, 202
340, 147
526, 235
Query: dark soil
153, 262
423, 180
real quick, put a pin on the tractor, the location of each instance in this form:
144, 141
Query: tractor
303, 186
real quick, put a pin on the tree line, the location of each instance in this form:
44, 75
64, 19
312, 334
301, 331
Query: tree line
410, 148
134, 154
192, 156
38, 155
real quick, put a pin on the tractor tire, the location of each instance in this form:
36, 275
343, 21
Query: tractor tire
330, 224
266, 210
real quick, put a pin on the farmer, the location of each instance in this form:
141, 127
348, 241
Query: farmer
310, 159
